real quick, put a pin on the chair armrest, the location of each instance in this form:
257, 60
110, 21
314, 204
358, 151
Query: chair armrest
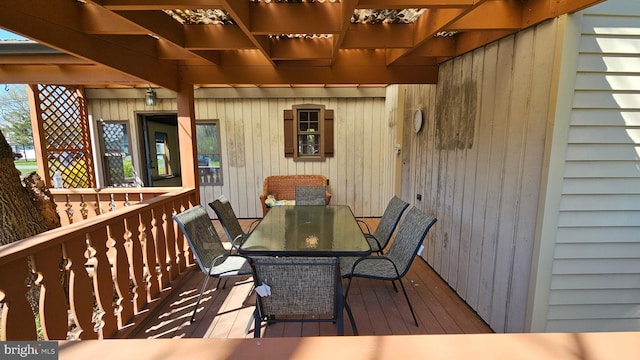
365, 225
234, 243
215, 259
253, 225
374, 258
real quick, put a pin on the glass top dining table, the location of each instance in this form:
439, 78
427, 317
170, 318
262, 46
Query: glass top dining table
307, 230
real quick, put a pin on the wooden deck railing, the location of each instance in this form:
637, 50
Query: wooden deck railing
80, 204
104, 273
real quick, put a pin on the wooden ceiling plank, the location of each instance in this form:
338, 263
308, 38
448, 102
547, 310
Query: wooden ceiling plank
491, 15
437, 47
240, 11
466, 42
413, 4
212, 56
346, 11
160, 4
536, 11
336, 74
64, 75
301, 49
170, 51
55, 23
361, 36
427, 26
42, 59
295, 18
571, 6
216, 37
157, 23
99, 20
168, 29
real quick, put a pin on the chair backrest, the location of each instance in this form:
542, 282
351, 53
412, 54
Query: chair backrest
389, 221
411, 234
311, 195
299, 285
222, 207
201, 235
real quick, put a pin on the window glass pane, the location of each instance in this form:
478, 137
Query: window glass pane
162, 154
208, 146
308, 137
118, 166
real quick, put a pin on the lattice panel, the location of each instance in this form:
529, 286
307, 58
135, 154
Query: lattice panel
65, 131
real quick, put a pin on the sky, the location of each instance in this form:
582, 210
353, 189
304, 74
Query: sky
5, 35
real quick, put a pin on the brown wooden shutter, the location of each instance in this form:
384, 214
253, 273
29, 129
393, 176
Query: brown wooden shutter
328, 133
289, 133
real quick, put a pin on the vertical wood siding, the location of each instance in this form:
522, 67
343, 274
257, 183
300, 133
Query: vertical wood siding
477, 164
252, 145
595, 283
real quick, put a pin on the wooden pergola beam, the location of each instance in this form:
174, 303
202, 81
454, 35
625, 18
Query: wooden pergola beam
56, 23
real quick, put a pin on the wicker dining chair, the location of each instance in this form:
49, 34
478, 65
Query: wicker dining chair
206, 246
311, 195
229, 221
299, 286
395, 264
379, 239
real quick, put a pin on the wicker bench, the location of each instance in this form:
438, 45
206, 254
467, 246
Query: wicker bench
283, 187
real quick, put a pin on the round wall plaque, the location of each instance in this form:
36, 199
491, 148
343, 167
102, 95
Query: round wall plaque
417, 120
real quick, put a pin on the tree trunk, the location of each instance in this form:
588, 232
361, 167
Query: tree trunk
20, 217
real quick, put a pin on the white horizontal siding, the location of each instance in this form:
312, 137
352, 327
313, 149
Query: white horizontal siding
589, 325
601, 186
600, 152
595, 281
595, 234
595, 276
600, 202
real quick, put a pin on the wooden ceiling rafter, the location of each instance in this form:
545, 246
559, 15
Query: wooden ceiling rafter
286, 43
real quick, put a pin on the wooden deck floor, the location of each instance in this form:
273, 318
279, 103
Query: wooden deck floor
377, 309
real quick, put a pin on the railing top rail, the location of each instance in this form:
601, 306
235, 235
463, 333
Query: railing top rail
123, 190
37, 243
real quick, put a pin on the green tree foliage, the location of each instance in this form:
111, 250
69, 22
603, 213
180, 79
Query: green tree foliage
16, 120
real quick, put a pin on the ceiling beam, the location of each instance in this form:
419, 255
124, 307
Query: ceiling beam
503, 15
466, 42
216, 37
160, 4
63, 75
295, 18
240, 11
166, 29
56, 23
42, 59
437, 47
362, 36
346, 11
426, 27
336, 74
301, 49
536, 11
413, 4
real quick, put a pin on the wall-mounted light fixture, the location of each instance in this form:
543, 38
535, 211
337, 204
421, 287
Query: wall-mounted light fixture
150, 97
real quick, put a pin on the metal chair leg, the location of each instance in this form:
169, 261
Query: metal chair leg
257, 322
204, 285
348, 308
351, 319
408, 302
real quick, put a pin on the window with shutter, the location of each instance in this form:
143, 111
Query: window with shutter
308, 131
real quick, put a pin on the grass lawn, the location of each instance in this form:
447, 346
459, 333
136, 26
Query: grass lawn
26, 166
